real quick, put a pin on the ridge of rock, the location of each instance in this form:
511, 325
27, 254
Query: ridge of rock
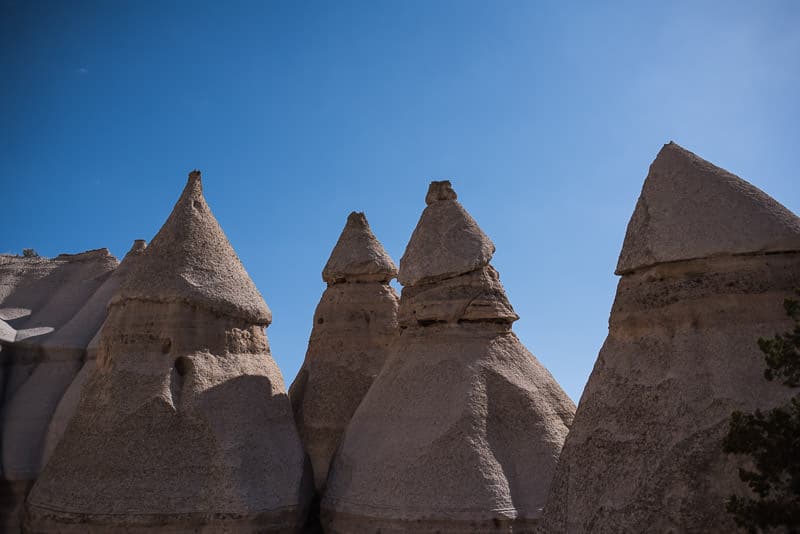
39, 296
690, 208
79, 330
191, 260
358, 255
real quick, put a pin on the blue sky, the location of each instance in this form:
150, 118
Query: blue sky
545, 116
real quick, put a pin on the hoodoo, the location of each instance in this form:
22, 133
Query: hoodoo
354, 324
42, 352
706, 264
185, 423
461, 430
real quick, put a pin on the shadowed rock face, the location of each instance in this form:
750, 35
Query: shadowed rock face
42, 304
644, 453
461, 430
354, 324
184, 424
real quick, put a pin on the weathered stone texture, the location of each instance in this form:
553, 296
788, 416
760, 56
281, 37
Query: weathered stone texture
184, 424
689, 208
461, 430
354, 324
644, 453
49, 315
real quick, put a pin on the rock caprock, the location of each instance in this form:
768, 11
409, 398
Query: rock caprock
706, 264
185, 424
354, 324
461, 430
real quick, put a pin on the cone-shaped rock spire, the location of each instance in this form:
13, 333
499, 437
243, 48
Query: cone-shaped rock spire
354, 324
191, 260
358, 255
185, 423
446, 242
689, 208
461, 430
644, 453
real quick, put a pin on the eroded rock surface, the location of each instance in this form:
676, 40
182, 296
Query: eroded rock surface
42, 350
702, 280
446, 242
690, 208
184, 424
76, 334
461, 430
354, 324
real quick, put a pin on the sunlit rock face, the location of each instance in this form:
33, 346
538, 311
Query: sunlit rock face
706, 264
462, 428
94, 310
48, 315
354, 324
184, 424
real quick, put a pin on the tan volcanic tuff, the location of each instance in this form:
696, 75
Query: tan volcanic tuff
354, 324
75, 333
39, 297
690, 208
645, 450
185, 424
461, 430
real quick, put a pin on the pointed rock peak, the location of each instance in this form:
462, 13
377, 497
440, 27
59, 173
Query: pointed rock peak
357, 220
132, 256
358, 255
446, 242
190, 259
690, 208
139, 245
440, 191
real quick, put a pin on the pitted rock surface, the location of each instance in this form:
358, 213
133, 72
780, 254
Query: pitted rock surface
354, 324
461, 430
358, 255
190, 260
184, 423
446, 242
644, 453
689, 208
83, 332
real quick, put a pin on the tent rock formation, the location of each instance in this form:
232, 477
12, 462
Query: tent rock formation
706, 264
462, 428
185, 423
354, 324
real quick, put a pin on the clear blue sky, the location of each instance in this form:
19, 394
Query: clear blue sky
545, 115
